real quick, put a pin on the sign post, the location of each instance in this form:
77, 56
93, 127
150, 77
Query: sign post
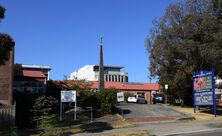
120, 98
203, 89
166, 87
68, 96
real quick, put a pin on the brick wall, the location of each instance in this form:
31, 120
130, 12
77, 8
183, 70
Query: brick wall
6, 80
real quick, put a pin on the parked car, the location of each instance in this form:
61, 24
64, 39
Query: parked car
158, 98
141, 99
132, 99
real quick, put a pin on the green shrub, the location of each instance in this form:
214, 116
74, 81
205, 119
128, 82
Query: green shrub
44, 105
107, 100
103, 102
89, 99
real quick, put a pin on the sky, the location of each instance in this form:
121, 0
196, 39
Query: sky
65, 34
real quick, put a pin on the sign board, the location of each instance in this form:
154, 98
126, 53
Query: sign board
68, 96
203, 89
120, 97
203, 98
166, 86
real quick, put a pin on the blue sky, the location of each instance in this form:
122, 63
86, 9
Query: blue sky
64, 34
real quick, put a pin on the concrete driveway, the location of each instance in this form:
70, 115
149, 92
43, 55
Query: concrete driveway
149, 112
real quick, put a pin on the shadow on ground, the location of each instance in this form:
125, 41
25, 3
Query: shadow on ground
125, 111
210, 110
96, 127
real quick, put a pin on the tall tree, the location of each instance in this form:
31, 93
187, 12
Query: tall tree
6, 42
186, 39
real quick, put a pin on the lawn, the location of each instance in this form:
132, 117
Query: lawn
201, 114
53, 126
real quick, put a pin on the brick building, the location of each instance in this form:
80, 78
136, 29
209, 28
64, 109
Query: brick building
144, 89
6, 80
31, 78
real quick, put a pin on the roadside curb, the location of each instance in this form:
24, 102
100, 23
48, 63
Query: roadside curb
191, 132
186, 118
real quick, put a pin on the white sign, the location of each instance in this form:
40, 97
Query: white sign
166, 86
68, 96
120, 97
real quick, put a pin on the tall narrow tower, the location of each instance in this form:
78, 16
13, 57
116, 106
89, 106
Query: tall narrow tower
101, 67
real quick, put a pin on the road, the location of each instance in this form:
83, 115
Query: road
205, 133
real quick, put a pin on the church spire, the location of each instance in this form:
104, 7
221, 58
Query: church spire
101, 67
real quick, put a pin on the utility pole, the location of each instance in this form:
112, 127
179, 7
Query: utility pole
101, 67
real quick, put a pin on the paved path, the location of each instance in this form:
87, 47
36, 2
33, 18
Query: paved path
166, 129
147, 112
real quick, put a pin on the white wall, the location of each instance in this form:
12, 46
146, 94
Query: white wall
85, 72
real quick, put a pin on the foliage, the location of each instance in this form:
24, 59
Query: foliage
44, 105
89, 99
24, 102
126, 95
103, 102
2, 12
78, 85
186, 39
107, 100
54, 87
6, 42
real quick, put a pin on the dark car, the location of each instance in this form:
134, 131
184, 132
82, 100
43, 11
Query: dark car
158, 98
141, 99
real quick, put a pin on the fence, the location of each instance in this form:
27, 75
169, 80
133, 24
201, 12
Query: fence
7, 115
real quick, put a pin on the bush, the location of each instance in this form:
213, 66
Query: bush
89, 99
44, 105
107, 100
103, 102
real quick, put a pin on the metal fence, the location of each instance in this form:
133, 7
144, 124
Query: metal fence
7, 115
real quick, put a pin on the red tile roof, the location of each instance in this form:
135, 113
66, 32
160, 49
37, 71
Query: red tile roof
127, 86
30, 73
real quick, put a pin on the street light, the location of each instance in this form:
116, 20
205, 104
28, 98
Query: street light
166, 87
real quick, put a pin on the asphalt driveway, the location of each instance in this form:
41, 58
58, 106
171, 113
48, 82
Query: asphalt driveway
133, 110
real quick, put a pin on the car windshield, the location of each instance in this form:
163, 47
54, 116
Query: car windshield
157, 95
160, 95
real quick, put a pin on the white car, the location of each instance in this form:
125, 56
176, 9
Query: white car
132, 99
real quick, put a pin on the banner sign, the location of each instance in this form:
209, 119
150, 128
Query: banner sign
68, 96
203, 98
120, 97
203, 89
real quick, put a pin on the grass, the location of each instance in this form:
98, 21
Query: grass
86, 127
121, 123
201, 115
53, 121
54, 132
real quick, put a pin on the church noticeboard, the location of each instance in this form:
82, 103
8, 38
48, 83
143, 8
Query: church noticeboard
203, 89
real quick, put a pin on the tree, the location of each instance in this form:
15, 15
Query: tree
44, 105
6, 42
2, 12
186, 39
